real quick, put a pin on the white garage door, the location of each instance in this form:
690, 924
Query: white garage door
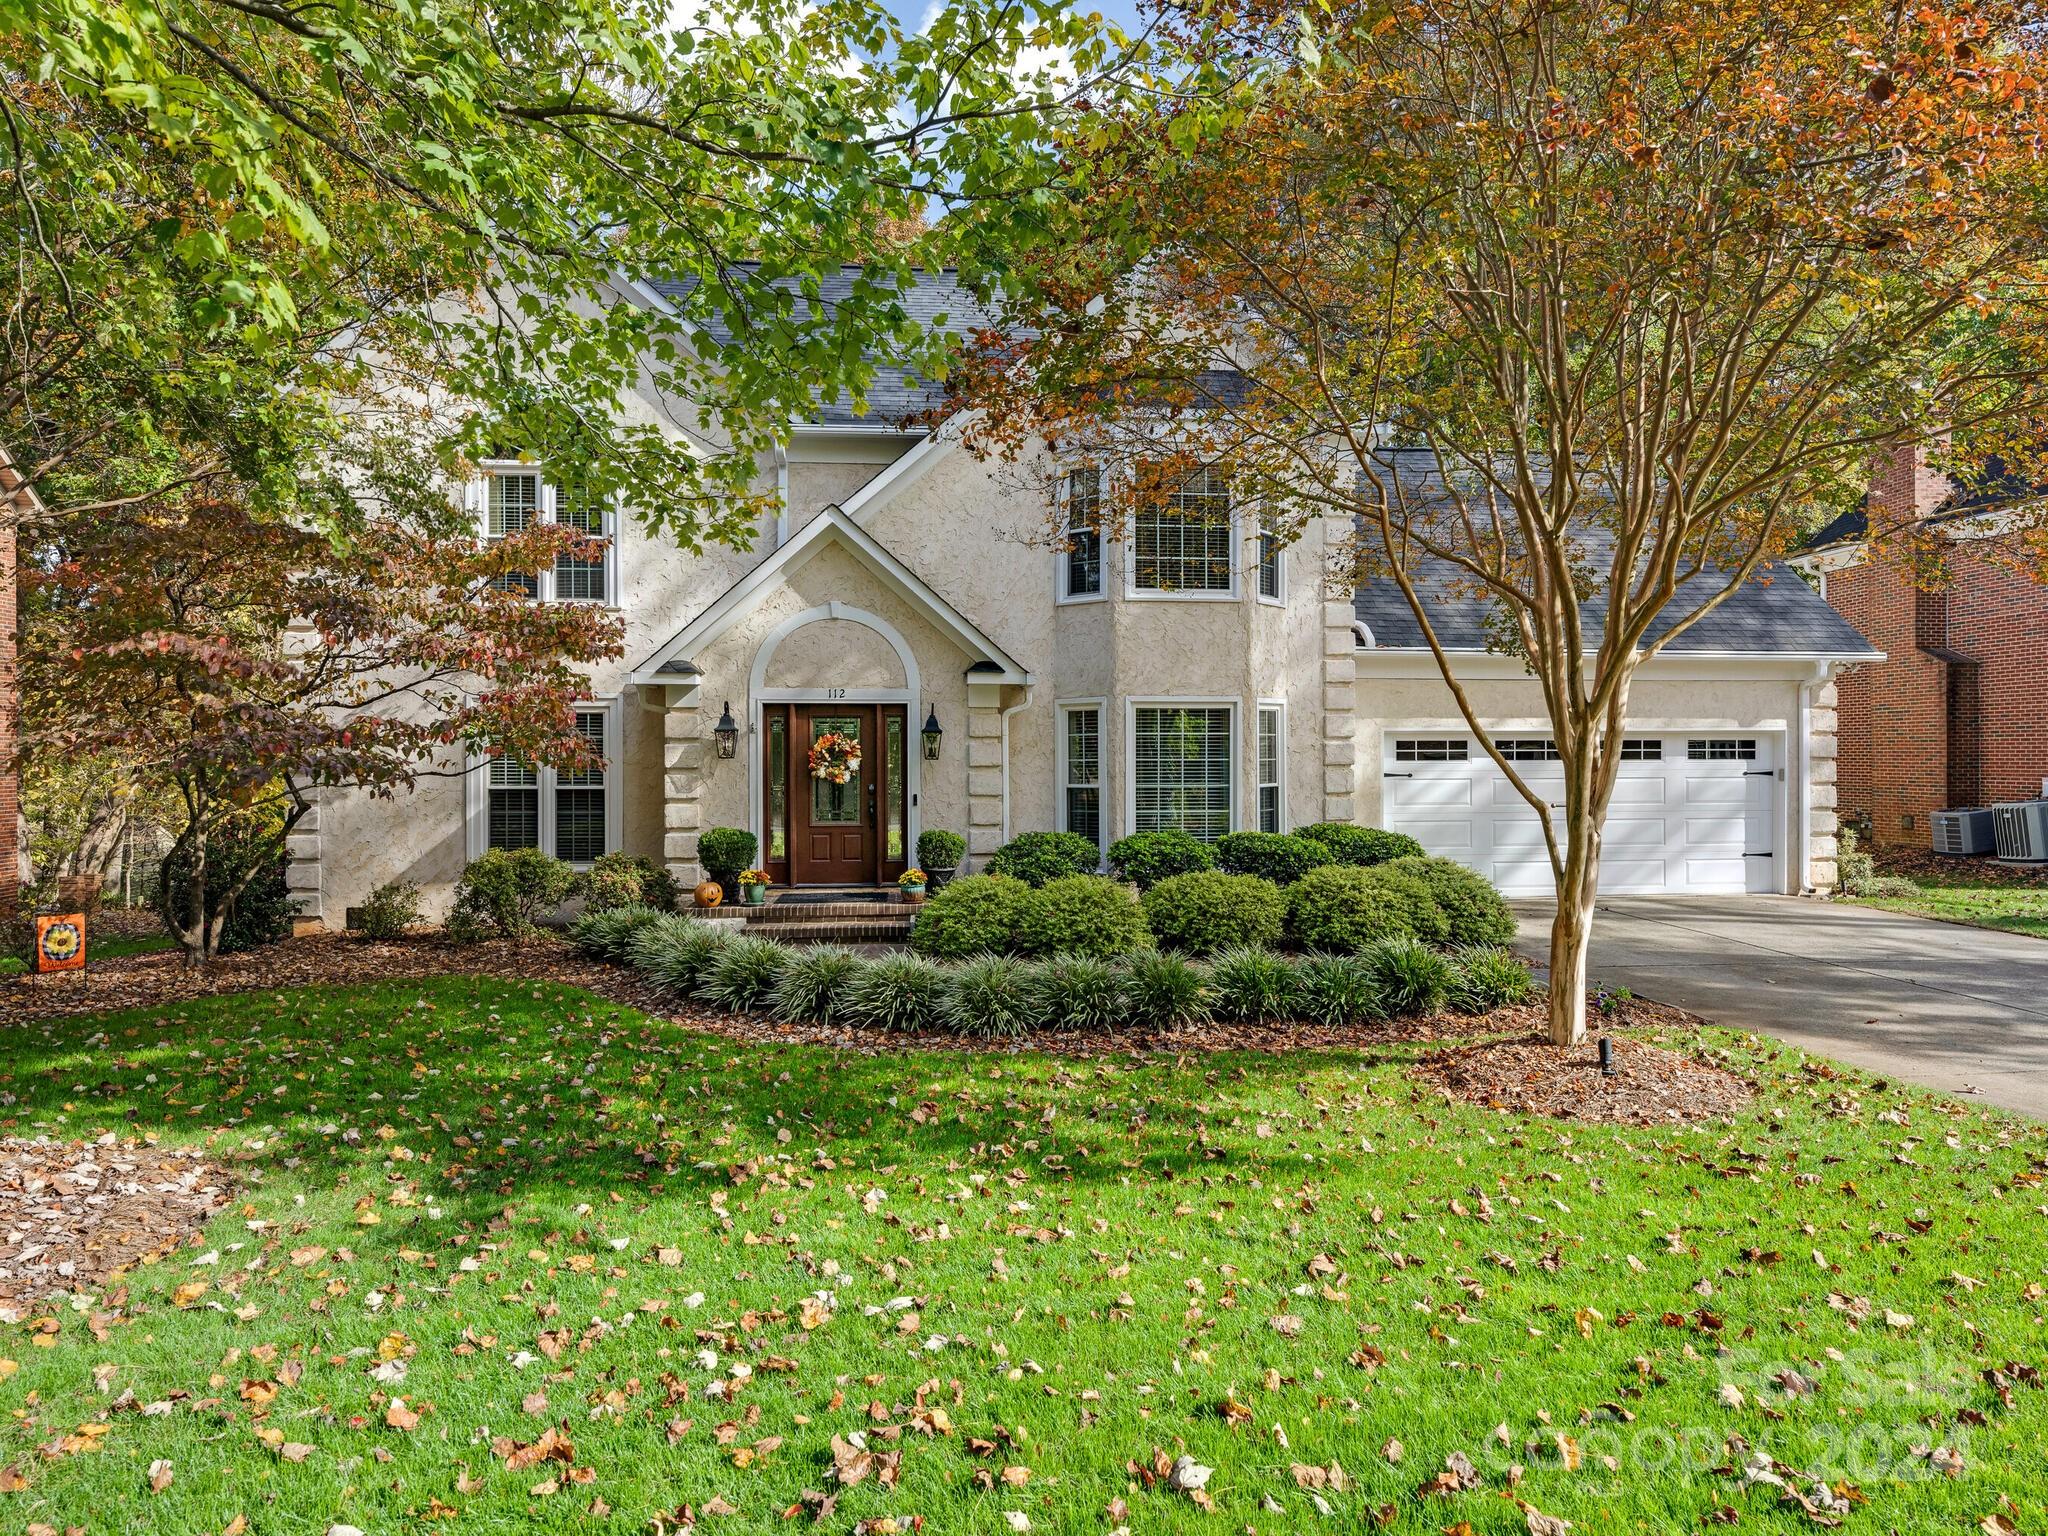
1691, 814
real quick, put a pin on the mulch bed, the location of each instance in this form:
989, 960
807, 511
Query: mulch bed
163, 980
72, 1215
1528, 1075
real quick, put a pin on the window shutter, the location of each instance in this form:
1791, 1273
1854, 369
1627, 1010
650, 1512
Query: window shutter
476, 499
547, 501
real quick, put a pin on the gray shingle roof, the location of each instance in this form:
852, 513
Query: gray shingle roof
1775, 613
897, 396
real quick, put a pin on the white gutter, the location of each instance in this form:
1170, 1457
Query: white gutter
1006, 756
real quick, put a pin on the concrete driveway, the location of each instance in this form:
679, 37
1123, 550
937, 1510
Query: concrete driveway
1943, 1005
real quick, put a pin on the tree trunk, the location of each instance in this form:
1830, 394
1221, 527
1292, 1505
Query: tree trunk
1571, 934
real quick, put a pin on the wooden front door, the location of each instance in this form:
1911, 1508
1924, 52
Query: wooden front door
822, 833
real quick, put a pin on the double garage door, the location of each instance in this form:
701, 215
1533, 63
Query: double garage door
1691, 814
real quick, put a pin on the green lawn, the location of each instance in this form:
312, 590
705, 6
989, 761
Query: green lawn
1990, 896
555, 1212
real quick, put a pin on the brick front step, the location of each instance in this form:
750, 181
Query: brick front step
837, 930
779, 913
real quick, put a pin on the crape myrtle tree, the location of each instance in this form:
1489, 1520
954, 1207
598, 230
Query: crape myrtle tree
1654, 282
244, 663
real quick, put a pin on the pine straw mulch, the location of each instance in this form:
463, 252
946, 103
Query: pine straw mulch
163, 980
72, 1215
1527, 1075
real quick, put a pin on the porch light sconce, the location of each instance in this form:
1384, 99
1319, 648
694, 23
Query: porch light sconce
933, 735
727, 733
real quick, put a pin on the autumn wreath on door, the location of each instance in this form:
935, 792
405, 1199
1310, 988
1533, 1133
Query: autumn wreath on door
835, 758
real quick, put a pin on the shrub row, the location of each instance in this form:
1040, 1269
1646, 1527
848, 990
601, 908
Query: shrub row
1333, 908
1004, 997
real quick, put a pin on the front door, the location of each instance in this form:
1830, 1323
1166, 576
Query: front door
837, 833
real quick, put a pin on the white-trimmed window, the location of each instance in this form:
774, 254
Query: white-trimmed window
1080, 770
1270, 759
1182, 767
1272, 562
512, 497
573, 816
1186, 544
1080, 551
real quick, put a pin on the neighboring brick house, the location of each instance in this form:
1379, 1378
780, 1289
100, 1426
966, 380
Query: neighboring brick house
1957, 713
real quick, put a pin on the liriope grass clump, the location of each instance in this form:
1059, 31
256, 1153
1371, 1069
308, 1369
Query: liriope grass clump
1252, 985
994, 997
605, 935
1081, 992
743, 974
1165, 991
1413, 978
1337, 989
675, 961
813, 985
902, 993
1485, 977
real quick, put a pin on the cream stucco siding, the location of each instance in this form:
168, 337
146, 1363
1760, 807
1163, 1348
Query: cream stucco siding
976, 541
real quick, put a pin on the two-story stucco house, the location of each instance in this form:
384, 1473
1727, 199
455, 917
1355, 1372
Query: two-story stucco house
1186, 674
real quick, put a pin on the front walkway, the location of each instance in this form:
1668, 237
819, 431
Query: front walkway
1950, 1007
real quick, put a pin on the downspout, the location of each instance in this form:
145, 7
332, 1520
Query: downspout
1021, 703
1802, 828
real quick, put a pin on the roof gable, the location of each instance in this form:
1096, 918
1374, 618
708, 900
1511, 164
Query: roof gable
830, 528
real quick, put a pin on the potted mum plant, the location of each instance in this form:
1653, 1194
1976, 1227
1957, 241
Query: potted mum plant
911, 884
939, 853
753, 887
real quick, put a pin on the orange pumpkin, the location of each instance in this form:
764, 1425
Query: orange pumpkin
710, 894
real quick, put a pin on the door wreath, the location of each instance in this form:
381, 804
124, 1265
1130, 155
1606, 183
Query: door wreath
835, 758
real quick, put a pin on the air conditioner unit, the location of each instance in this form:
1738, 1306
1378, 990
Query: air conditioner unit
1963, 832
2021, 830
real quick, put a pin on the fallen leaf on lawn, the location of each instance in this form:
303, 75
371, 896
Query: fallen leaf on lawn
716, 1505
1188, 1475
1287, 1325
398, 1416
159, 1476
1393, 1451
551, 1446
294, 1450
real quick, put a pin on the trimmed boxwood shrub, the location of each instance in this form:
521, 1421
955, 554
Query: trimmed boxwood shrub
1146, 858
813, 984
1363, 846
626, 880
993, 997
1037, 857
725, 851
1081, 915
1484, 978
743, 973
1080, 992
1165, 991
1413, 978
1209, 910
896, 992
977, 915
1273, 856
1342, 909
939, 849
1337, 989
1474, 912
1252, 984
507, 891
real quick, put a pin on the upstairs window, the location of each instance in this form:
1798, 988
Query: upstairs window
1185, 543
512, 497
1080, 552
1271, 552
